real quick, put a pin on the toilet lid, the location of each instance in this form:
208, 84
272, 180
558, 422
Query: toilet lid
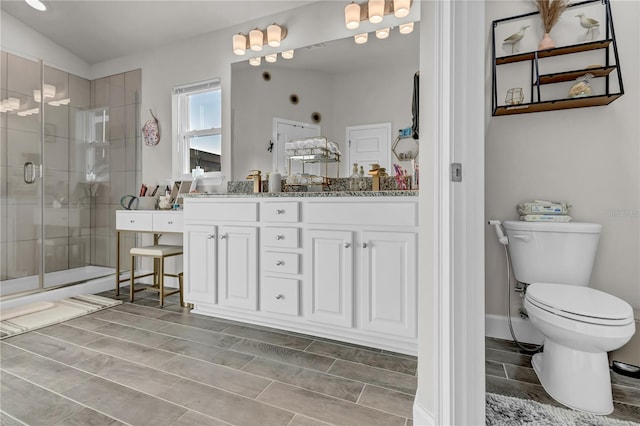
580, 303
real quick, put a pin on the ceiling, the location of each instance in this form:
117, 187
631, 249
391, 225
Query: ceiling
121, 28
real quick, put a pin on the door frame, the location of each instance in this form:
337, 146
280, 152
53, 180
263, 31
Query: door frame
347, 162
451, 381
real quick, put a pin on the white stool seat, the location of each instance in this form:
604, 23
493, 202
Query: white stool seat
156, 251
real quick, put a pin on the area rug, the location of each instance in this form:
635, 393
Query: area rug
506, 410
36, 315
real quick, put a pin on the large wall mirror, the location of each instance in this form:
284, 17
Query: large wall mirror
328, 88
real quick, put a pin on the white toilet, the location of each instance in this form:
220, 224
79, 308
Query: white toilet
579, 324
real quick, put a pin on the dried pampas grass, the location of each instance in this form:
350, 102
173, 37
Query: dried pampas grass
550, 11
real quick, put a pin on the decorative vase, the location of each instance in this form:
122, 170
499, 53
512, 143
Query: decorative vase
546, 43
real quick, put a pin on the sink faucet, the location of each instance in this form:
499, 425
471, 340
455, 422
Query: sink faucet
376, 172
257, 180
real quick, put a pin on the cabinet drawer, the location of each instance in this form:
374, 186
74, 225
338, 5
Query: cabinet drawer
167, 222
388, 214
280, 296
130, 221
280, 212
281, 237
286, 263
220, 211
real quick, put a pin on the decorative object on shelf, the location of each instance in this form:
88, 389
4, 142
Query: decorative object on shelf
515, 96
581, 87
588, 23
515, 38
550, 11
151, 131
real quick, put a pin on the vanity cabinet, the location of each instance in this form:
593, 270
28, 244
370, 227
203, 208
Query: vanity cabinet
200, 264
329, 277
343, 268
238, 266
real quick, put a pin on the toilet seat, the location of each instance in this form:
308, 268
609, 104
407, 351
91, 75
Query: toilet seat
582, 304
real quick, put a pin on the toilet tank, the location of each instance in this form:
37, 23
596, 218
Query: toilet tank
544, 252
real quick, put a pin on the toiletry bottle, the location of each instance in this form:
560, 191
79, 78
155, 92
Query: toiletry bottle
275, 182
362, 180
354, 178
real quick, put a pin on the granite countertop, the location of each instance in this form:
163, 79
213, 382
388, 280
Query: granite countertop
326, 194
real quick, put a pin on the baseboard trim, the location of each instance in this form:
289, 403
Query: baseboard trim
498, 326
421, 416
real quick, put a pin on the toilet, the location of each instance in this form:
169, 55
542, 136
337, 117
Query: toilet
579, 324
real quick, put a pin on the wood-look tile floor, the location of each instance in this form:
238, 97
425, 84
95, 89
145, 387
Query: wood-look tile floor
138, 364
509, 372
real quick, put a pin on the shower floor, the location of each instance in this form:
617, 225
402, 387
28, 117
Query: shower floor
54, 279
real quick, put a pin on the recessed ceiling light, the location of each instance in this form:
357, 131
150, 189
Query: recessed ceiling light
37, 5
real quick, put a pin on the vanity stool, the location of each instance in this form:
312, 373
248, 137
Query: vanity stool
158, 253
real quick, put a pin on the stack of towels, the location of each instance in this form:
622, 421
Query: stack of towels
544, 211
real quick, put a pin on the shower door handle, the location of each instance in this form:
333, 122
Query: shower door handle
29, 172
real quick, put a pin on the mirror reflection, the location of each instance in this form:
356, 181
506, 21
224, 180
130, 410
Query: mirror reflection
339, 89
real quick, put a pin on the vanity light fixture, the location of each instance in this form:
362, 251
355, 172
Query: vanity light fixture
37, 5
272, 36
287, 54
376, 11
271, 58
361, 38
352, 16
49, 92
59, 102
382, 33
9, 104
255, 61
406, 28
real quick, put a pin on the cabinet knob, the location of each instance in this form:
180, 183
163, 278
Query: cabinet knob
279, 237
223, 236
132, 221
280, 211
170, 222
279, 262
280, 296
364, 245
347, 245
210, 236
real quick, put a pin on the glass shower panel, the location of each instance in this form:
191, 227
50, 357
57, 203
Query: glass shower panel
20, 172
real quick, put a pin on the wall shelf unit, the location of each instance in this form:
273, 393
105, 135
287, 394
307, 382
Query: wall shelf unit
539, 58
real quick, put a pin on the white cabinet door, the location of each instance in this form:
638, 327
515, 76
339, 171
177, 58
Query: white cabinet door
237, 266
329, 277
388, 280
200, 264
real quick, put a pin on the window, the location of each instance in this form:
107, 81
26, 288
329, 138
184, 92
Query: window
197, 119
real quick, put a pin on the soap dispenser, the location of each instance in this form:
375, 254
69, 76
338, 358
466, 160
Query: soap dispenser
353, 179
275, 182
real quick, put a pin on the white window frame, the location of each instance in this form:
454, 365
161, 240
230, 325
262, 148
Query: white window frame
180, 119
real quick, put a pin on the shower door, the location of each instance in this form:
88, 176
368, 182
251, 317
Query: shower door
53, 160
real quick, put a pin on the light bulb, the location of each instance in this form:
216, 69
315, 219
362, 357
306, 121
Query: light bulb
361, 38
274, 35
382, 33
271, 58
376, 11
37, 5
255, 61
256, 40
406, 28
239, 44
401, 8
352, 16
287, 54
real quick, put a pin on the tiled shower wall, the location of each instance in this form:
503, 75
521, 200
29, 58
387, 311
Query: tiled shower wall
78, 214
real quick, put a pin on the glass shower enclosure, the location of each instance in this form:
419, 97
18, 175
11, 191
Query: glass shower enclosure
57, 175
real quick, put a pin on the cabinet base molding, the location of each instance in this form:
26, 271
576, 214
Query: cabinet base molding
299, 325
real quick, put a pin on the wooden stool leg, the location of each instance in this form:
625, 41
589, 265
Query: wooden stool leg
161, 276
132, 277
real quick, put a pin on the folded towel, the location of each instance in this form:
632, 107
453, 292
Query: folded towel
545, 218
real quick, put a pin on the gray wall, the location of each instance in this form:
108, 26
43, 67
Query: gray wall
589, 157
